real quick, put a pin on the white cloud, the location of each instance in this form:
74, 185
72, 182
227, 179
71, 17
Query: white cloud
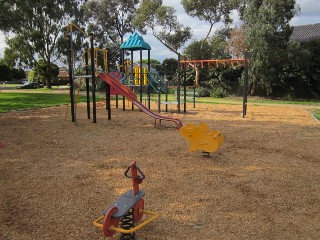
309, 13
2, 44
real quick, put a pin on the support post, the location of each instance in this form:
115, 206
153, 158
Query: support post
245, 83
71, 79
108, 95
122, 72
179, 83
141, 75
184, 88
149, 98
159, 96
87, 84
166, 94
93, 73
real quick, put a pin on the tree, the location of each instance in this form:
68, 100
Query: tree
299, 72
41, 67
169, 67
110, 20
236, 44
155, 64
212, 11
163, 23
5, 72
36, 26
212, 48
10, 57
267, 32
17, 73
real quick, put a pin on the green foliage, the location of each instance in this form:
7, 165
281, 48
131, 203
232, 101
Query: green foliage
267, 32
10, 57
212, 48
37, 26
218, 93
110, 20
9, 74
203, 91
41, 72
17, 73
198, 50
5, 73
163, 23
300, 75
317, 115
169, 68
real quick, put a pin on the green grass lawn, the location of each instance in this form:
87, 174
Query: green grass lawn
24, 100
35, 98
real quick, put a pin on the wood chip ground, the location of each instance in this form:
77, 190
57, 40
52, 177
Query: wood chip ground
263, 183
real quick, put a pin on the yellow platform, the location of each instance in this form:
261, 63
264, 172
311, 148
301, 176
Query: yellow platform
201, 138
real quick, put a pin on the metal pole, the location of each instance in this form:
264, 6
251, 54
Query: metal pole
194, 96
122, 71
245, 84
148, 79
141, 77
166, 95
131, 82
108, 95
94, 107
184, 88
87, 84
179, 83
159, 96
71, 79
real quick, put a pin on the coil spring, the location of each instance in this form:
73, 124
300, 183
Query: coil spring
127, 222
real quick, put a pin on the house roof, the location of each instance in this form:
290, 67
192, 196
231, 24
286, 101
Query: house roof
135, 42
63, 74
306, 33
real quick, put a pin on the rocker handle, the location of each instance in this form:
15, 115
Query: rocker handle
138, 170
136, 179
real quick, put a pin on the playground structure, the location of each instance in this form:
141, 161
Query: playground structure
127, 210
135, 42
118, 83
217, 63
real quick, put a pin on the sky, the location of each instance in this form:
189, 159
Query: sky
309, 14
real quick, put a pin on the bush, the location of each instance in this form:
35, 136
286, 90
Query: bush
203, 92
219, 93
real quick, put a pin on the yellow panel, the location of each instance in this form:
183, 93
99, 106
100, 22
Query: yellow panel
201, 138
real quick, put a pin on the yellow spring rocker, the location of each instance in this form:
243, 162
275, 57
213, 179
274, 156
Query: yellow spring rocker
201, 138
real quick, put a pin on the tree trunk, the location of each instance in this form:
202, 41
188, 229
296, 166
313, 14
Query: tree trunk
48, 75
253, 87
196, 80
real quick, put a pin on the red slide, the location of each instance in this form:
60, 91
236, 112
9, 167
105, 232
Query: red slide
123, 90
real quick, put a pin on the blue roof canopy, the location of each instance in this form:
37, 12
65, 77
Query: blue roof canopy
135, 42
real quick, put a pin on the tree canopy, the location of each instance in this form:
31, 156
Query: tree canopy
267, 32
163, 23
36, 27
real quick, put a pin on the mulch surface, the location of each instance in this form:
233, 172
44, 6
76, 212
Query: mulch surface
263, 183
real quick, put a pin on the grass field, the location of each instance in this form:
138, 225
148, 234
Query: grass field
15, 99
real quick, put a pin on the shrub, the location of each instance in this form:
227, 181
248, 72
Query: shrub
203, 92
219, 93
